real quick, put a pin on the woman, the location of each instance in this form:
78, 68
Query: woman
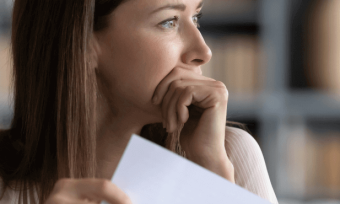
88, 74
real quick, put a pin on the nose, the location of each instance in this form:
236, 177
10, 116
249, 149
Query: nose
196, 52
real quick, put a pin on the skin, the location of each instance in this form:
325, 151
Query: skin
149, 71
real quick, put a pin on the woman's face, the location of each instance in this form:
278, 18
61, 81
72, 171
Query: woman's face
142, 45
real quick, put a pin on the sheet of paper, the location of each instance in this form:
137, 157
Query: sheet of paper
151, 174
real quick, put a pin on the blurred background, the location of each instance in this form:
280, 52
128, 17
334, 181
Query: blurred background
5, 63
280, 60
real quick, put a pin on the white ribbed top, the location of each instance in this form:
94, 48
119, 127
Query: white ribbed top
250, 168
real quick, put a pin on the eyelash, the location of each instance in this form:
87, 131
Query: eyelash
175, 18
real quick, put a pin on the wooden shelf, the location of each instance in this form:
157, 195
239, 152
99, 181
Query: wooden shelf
249, 17
307, 104
243, 106
231, 17
313, 104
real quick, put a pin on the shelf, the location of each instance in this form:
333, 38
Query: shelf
313, 104
309, 104
5, 111
225, 19
231, 12
231, 17
5, 15
243, 106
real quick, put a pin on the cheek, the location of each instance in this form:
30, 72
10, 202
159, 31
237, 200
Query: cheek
157, 57
140, 61
160, 59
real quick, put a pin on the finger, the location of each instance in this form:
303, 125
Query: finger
183, 83
101, 189
195, 95
169, 95
175, 74
64, 199
172, 115
88, 201
165, 102
202, 97
182, 110
214, 103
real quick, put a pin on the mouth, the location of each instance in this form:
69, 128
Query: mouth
197, 70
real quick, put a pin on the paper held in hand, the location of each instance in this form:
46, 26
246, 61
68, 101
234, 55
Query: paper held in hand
151, 174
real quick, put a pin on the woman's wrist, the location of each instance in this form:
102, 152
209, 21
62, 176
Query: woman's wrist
219, 164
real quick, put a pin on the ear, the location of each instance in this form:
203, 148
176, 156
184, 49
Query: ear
94, 51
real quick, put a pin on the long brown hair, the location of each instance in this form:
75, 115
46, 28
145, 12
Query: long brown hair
53, 133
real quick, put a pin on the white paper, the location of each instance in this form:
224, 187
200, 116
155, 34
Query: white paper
151, 174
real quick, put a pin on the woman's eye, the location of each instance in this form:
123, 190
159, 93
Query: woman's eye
196, 19
170, 23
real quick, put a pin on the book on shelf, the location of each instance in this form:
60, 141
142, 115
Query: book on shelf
323, 46
235, 61
313, 163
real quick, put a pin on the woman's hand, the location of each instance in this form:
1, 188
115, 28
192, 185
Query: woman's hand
207, 99
87, 191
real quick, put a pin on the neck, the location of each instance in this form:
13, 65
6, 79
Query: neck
114, 130
112, 140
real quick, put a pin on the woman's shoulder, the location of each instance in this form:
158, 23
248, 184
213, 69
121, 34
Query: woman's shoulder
242, 149
250, 168
240, 138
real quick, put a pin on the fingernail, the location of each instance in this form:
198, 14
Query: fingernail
154, 100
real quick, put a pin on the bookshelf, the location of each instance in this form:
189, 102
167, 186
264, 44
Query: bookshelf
286, 106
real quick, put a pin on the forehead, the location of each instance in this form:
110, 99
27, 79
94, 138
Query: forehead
150, 5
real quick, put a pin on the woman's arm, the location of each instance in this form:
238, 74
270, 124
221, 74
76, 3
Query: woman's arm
249, 165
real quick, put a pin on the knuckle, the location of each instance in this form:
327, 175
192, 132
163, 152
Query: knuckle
224, 93
221, 84
189, 88
224, 100
176, 84
104, 185
178, 90
221, 96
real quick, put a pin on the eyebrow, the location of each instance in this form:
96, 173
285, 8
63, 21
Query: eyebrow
180, 7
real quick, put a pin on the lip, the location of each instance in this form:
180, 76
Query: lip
196, 70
